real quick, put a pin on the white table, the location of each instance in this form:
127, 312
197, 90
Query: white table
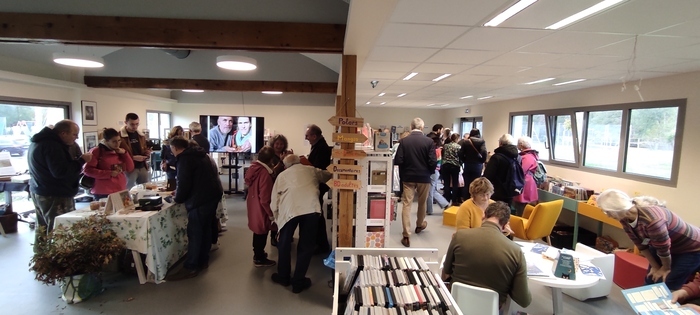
556, 284
161, 235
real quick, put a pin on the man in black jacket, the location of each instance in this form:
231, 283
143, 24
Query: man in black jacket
54, 172
499, 166
200, 190
320, 157
196, 130
417, 160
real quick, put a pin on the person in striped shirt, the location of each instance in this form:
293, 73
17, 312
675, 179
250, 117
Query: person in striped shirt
671, 245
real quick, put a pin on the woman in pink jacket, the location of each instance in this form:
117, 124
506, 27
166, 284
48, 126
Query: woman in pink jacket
529, 160
108, 164
259, 180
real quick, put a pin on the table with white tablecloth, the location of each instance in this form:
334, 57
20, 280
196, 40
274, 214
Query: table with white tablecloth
161, 235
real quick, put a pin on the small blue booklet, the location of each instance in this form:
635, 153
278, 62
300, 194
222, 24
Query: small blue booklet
653, 299
539, 248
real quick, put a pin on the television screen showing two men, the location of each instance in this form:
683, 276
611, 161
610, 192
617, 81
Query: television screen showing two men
242, 134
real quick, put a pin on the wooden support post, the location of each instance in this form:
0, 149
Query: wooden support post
345, 106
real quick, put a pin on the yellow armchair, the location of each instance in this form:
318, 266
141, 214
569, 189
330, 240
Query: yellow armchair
537, 222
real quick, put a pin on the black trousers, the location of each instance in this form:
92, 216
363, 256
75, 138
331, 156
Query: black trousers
259, 242
199, 235
470, 173
450, 178
308, 224
321, 234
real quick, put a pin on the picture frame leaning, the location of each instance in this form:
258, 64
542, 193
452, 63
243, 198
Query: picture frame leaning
89, 113
90, 140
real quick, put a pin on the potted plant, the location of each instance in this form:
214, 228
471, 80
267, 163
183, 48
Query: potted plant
74, 255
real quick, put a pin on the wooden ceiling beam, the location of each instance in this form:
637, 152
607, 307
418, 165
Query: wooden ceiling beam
171, 33
211, 85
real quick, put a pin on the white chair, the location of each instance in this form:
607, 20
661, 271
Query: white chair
606, 263
473, 300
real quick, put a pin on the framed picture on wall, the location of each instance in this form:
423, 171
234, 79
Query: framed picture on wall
89, 140
89, 113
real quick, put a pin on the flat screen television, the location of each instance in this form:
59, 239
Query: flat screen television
233, 133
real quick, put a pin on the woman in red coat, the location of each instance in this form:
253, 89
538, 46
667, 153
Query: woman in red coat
529, 160
259, 180
108, 165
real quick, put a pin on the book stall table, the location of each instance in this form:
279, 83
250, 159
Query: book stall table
160, 235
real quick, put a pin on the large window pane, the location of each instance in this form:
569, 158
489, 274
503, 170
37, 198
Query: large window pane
519, 126
153, 126
539, 136
651, 141
603, 139
563, 139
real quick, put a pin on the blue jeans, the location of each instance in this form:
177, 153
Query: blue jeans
433, 193
682, 267
199, 235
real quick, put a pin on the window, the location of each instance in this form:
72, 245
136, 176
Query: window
635, 141
158, 124
469, 123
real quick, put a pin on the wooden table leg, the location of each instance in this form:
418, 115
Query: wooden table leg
139, 266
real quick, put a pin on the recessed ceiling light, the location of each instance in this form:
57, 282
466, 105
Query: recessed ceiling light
401, 95
382, 103
78, 61
508, 13
485, 97
430, 105
368, 103
381, 94
540, 81
466, 97
272, 92
192, 91
443, 105
568, 82
578, 16
410, 76
442, 77
238, 63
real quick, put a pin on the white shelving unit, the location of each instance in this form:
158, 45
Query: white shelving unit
378, 162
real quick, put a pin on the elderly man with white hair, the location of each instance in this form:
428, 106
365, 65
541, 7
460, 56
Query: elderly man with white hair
499, 169
295, 203
417, 160
529, 158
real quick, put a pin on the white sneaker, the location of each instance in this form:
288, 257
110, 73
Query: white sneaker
214, 247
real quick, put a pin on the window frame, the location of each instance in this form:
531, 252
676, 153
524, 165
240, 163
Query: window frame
626, 108
159, 123
67, 106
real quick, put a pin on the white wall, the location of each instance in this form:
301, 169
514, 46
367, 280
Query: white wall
680, 199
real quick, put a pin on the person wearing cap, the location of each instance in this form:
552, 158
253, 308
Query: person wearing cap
671, 245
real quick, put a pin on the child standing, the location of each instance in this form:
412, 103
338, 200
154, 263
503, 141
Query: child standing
259, 180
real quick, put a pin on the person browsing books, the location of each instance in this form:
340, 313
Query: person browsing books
671, 245
108, 165
689, 294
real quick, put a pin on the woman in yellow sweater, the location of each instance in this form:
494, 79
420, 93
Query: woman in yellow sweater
471, 212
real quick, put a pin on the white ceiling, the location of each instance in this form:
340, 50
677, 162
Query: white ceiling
638, 39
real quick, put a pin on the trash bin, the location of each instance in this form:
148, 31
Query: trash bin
563, 237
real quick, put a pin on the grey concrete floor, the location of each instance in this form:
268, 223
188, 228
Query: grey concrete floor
231, 285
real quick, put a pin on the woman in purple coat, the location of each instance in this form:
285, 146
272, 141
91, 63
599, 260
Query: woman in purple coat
529, 160
259, 180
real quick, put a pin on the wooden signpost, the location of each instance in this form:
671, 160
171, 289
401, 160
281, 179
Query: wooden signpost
348, 154
349, 137
349, 184
340, 121
344, 169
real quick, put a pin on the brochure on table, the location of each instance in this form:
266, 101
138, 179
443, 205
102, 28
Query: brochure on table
119, 201
654, 299
552, 253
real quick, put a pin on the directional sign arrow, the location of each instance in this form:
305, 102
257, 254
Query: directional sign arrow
340, 121
349, 137
344, 169
351, 184
348, 154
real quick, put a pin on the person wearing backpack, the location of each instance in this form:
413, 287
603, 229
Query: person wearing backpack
504, 171
528, 161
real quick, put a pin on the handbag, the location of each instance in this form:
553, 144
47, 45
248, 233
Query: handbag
86, 182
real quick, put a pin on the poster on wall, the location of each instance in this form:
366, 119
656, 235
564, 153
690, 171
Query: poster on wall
89, 113
89, 140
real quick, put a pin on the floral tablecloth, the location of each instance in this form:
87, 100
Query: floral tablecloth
161, 235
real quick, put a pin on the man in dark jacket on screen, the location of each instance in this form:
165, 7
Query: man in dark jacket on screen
417, 160
200, 190
499, 166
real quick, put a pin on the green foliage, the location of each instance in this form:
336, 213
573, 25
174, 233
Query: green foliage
84, 247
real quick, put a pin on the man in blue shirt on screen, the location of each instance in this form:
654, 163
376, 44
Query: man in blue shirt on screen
220, 135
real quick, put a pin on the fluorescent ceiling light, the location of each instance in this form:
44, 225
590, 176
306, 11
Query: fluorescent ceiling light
466, 97
443, 105
238, 63
410, 76
78, 61
590, 11
401, 95
540, 81
430, 105
485, 97
508, 13
382, 103
368, 103
272, 92
381, 94
442, 77
192, 91
568, 82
